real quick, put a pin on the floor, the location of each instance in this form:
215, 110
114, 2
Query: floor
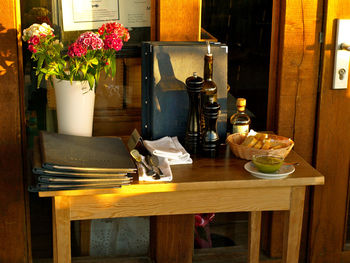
235, 254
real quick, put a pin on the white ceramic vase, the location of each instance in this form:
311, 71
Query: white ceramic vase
75, 107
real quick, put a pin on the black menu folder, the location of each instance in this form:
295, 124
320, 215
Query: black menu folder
66, 162
61, 152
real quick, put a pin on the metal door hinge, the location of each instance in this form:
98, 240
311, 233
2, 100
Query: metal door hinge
321, 38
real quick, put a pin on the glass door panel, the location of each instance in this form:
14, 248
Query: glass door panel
117, 103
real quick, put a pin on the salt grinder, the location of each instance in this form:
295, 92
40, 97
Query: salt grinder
210, 140
194, 86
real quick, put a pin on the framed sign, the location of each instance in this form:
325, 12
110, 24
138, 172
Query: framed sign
90, 14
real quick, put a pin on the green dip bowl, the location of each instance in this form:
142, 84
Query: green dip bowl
267, 163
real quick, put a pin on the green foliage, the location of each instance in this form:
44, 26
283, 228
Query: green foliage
51, 62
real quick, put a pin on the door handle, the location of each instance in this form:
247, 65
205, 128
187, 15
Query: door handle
341, 55
345, 46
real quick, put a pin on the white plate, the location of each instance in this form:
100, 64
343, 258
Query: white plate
283, 172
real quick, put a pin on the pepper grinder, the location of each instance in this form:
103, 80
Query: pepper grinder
194, 86
210, 140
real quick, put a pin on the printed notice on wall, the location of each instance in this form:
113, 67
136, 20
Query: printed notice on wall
91, 14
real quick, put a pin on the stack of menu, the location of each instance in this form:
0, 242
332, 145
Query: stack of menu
68, 162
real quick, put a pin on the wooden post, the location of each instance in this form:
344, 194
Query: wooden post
61, 230
172, 238
254, 229
292, 226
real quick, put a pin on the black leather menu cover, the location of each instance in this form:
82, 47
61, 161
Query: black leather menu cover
62, 152
165, 103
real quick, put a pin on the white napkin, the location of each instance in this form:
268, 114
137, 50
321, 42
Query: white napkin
163, 166
169, 148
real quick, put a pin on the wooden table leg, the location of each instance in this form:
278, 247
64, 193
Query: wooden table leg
172, 238
85, 233
292, 226
254, 229
61, 229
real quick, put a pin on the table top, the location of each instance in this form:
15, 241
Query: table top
222, 172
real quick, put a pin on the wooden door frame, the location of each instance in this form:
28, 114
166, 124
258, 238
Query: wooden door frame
292, 91
13, 195
292, 98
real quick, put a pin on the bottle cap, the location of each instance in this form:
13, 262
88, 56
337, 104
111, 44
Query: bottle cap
241, 102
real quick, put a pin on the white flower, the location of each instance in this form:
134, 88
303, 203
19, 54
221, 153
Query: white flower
45, 29
36, 30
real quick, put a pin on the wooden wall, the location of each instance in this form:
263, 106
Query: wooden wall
295, 72
178, 20
13, 232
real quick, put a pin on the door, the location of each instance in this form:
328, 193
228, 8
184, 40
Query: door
332, 157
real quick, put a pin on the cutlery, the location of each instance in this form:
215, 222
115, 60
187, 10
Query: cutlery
154, 162
137, 156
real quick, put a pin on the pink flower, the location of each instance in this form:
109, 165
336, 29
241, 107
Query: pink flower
34, 40
90, 40
32, 49
112, 41
76, 50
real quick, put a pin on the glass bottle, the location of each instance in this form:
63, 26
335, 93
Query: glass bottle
209, 90
240, 120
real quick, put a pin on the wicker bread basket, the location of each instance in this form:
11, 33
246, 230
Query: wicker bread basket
245, 152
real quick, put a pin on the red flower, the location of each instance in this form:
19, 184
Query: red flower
76, 50
115, 28
126, 35
32, 49
34, 40
112, 41
101, 30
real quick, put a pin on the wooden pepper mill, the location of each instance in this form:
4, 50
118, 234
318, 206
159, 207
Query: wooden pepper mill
194, 86
210, 140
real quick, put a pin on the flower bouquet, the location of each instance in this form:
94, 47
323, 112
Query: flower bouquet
75, 73
86, 57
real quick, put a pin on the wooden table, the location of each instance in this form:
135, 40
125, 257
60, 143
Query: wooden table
208, 185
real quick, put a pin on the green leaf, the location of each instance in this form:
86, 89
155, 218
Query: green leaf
94, 61
40, 62
91, 80
40, 77
113, 66
84, 69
